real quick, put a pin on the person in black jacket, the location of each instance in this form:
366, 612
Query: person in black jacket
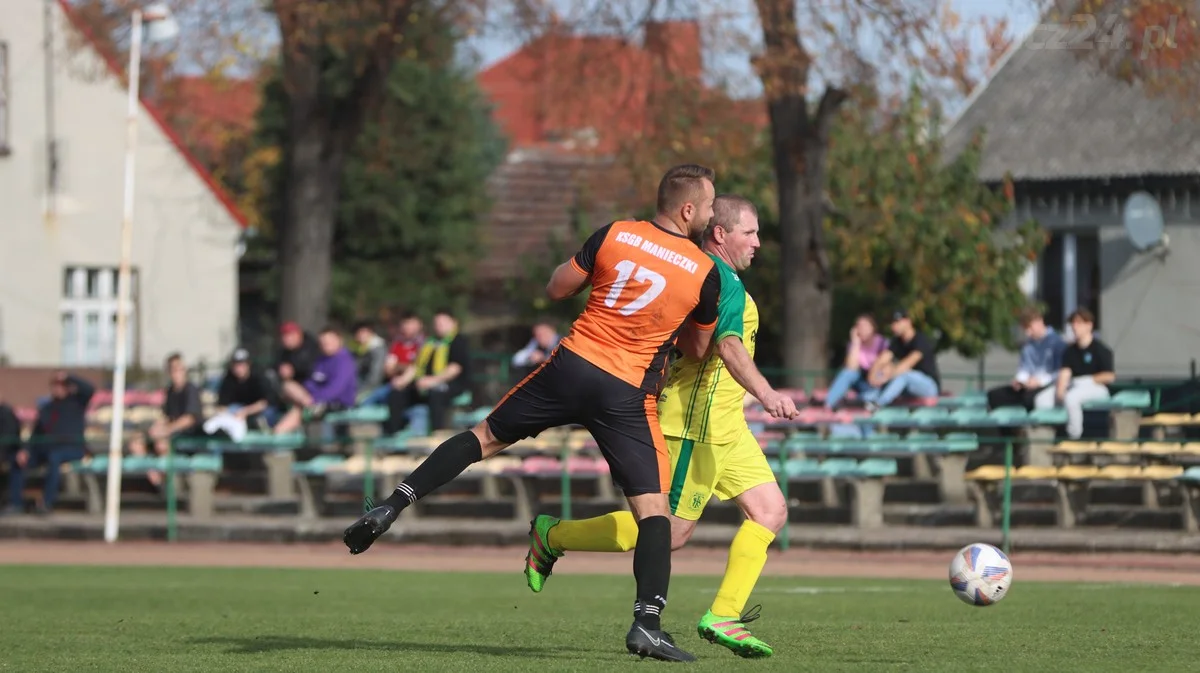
57, 439
244, 391
10, 431
298, 354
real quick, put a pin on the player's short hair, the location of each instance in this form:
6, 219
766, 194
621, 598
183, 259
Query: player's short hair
172, 359
330, 328
682, 184
361, 325
727, 212
446, 311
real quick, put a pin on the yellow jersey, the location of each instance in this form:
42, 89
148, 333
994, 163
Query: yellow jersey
701, 401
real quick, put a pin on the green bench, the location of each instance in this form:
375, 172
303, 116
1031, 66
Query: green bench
934, 457
1124, 412
863, 478
199, 472
376, 413
963, 417
970, 399
469, 418
310, 476
276, 453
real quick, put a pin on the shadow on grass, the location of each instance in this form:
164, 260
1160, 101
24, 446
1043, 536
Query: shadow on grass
260, 644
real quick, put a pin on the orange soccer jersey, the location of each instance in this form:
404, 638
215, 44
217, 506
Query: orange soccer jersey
645, 282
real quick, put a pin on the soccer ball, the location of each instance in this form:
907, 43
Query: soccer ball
980, 574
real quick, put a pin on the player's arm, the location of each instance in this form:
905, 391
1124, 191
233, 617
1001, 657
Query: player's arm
741, 366
695, 340
573, 275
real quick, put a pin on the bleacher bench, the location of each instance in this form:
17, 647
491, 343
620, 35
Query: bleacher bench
276, 453
199, 472
863, 478
942, 458
1071, 484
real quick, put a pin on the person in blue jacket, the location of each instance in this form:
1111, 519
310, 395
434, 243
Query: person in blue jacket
57, 439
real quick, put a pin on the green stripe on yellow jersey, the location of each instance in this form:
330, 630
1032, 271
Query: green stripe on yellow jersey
701, 401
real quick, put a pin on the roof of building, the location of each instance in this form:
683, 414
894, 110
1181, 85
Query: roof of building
594, 92
156, 115
1053, 114
534, 193
208, 111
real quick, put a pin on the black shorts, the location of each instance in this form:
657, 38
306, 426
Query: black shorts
623, 419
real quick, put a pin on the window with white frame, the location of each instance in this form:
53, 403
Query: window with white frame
89, 316
4, 149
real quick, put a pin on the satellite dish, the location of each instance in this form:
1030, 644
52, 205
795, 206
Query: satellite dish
1143, 221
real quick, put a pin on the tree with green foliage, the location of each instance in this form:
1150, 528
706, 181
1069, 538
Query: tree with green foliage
413, 191
910, 228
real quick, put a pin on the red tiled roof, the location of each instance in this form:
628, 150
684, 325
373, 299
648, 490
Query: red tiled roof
155, 114
208, 110
533, 194
554, 92
561, 86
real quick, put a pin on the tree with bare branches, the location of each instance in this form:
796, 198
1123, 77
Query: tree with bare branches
809, 56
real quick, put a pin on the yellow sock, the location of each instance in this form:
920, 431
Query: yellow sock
616, 531
747, 556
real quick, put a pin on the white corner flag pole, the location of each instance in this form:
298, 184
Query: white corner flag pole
112, 502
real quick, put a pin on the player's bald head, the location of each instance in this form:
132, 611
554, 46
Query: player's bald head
683, 184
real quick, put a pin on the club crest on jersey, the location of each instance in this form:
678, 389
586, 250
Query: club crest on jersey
697, 500
754, 336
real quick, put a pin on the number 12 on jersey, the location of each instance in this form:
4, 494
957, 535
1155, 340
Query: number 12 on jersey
625, 270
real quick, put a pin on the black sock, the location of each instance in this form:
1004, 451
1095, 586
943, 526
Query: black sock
441, 467
652, 570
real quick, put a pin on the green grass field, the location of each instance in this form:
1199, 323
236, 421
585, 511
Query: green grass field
181, 619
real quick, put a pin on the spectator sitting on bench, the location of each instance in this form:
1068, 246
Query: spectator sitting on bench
242, 398
908, 366
1087, 370
370, 352
545, 340
10, 431
298, 352
866, 345
440, 373
407, 337
183, 416
332, 386
1037, 370
57, 439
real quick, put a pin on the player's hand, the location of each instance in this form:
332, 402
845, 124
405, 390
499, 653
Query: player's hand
22, 458
537, 357
854, 338
426, 382
286, 372
779, 405
1017, 385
